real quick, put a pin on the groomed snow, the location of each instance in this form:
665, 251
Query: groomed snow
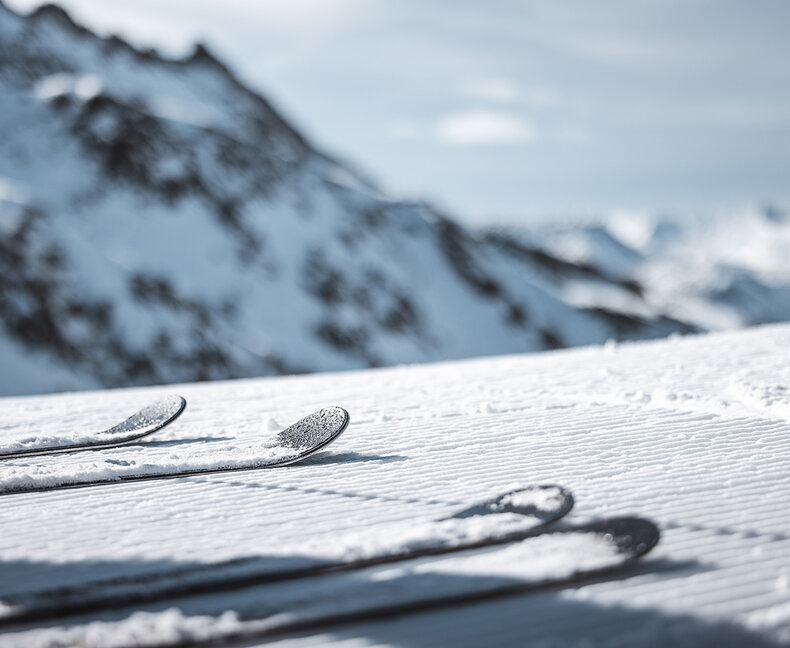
690, 432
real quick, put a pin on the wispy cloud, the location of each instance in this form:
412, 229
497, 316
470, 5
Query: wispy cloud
482, 127
467, 128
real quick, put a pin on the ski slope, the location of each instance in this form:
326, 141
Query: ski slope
690, 432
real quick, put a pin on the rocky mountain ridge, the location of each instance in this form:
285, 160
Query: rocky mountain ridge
160, 222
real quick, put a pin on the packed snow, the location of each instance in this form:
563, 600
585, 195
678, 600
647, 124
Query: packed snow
691, 433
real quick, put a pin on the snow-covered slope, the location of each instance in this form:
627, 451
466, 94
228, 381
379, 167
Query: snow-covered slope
723, 271
693, 433
160, 221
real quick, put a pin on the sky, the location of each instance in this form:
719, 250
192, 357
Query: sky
511, 111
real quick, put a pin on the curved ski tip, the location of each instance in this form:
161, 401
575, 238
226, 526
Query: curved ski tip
151, 418
315, 430
547, 502
164, 410
175, 403
335, 420
632, 535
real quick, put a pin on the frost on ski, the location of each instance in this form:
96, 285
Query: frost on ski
543, 502
418, 535
148, 419
315, 430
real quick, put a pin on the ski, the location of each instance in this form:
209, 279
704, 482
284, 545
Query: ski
151, 418
550, 560
507, 518
294, 443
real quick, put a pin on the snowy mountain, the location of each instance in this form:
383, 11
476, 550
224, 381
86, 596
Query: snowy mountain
161, 222
713, 272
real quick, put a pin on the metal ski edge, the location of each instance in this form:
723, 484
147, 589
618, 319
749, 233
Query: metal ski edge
172, 475
103, 601
102, 445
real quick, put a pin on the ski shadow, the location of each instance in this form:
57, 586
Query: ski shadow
554, 616
355, 495
329, 457
165, 443
549, 616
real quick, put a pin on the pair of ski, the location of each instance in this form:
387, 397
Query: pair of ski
294, 443
503, 546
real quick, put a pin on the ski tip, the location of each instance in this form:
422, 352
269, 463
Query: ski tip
156, 415
339, 416
173, 403
151, 418
546, 502
334, 419
633, 536
315, 431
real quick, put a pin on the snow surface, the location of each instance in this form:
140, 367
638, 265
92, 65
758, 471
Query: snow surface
690, 432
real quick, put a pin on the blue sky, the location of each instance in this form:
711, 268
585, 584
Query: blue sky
508, 111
